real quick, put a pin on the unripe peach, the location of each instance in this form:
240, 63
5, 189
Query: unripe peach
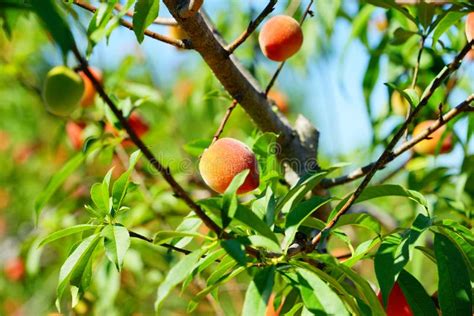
397, 304
75, 134
223, 160
429, 146
280, 38
89, 89
62, 91
280, 99
470, 27
15, 269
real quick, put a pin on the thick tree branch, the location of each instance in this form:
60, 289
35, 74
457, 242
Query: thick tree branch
445, 72
162, 38
243, 88
388, 153
251, 27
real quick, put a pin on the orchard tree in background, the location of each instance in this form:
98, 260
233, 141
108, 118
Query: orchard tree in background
212, 196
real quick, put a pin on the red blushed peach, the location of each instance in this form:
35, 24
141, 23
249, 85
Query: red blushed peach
470, 27
429, 146
89, 90
280, 100
280, 38
138, 125
223, 160
15, 269
74, 131
397, 304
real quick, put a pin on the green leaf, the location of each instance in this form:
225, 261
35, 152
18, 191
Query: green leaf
263, 242
425, 13
299, 190
74, 266
359, 219
394, 254
100, 197
401, 36
119, 189
317, 296
258, 292
445, 23
146, 11
116, 243
245, 216
176, 275
420, 302
236, 250
391, 4
49, 13
454, 288
383, 190
56, 181
361, 251
229, 198
298, 215
66, 232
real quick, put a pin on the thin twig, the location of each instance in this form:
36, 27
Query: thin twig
395, 171
280, 67
251, 27
158, 21
227, 114
445, 72
165, 245
388, 153
185, 44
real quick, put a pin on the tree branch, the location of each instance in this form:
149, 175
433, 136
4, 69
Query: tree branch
243, 87
388, 153
185, 44
251, 27
158, 21
224, 120
445, 72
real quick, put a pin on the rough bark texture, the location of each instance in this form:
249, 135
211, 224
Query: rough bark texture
239, 83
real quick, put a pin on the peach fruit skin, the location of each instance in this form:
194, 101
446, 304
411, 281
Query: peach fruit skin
397, 304
470, 27
89, 90
223, 160
428, 146
280, 38
74, 132
280, 100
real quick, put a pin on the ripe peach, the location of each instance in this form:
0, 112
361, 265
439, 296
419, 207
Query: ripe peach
280, 100
223, 160
138, 125
177, 32
271, 311
15, 269
397, 304
470, 27
429, 146
62, 91
280, 38
74, 132
89, 90
400, 105
470, 55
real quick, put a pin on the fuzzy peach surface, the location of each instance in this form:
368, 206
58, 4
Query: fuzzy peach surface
280, 38
223, 160
470, 27
428, 146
